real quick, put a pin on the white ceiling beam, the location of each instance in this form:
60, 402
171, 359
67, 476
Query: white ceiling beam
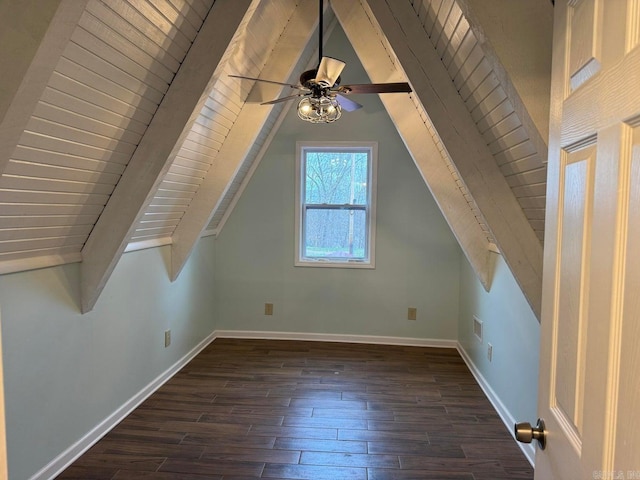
159, 145
282, 61
419, 141
29, 52
476, 166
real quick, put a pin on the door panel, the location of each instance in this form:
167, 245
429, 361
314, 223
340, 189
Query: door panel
589, 388
627, 456
570, 337
585, 20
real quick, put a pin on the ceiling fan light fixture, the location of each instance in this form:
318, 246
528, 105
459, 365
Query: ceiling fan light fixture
321, 87
319, 109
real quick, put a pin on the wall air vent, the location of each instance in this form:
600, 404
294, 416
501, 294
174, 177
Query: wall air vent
477, 328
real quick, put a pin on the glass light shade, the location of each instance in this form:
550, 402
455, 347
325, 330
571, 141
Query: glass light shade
319, 110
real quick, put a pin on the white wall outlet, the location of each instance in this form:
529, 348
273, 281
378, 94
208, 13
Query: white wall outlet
489, 351
167, 338
412, 313
268, 308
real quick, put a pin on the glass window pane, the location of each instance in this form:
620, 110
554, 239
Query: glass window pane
339, 234
336, 177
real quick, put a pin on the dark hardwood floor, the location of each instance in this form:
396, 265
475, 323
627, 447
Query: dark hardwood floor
250, 409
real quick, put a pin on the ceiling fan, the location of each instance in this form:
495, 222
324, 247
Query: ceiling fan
323, 98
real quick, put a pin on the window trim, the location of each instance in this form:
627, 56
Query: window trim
299, 260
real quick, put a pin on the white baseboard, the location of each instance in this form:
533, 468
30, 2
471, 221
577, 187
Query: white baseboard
331, 337
66, 458
529, 450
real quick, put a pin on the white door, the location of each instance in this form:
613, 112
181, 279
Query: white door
589, 389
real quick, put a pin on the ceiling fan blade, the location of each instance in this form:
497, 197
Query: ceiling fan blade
284, 99
348, 104
299, 87
329, 71
400, 87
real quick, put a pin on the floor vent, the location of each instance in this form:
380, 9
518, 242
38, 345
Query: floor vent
477, 328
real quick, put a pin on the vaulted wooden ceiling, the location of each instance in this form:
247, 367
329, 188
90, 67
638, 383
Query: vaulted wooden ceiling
121, 128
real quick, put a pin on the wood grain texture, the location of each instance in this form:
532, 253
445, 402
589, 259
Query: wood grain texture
416, 130
483, 84
255, 409
104, 75
459, 133
158, 147
248, 134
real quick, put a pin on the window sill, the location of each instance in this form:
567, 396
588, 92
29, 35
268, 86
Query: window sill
332, 264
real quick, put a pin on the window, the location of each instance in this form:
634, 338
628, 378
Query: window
335, 204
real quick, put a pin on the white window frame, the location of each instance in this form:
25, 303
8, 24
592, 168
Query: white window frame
370, 217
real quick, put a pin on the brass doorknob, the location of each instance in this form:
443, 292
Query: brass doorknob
525, 433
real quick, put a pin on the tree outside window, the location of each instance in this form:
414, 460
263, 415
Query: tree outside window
335, 204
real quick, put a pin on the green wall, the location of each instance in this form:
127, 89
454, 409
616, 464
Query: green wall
511, 327
65, 372
418, 263
417, 257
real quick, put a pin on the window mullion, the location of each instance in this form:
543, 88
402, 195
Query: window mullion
335, 233
333, 206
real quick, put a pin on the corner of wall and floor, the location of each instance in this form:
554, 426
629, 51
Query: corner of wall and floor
54, 355
69, 377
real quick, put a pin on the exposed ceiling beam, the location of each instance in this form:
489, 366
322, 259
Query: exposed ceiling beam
420, 143
476, 166
280, 67
159, 145
30, 52
506, 83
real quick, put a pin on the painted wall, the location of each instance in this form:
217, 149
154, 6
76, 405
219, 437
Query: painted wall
417, 257
65, 372
511, 327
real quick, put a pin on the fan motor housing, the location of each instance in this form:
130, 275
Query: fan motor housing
307, 80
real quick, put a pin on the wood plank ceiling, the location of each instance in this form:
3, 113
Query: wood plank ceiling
127, 131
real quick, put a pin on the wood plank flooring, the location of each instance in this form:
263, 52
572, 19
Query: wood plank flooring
258, 409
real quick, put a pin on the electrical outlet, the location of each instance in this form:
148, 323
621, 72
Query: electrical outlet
268, 308
167, 338
489, 351
412, 313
